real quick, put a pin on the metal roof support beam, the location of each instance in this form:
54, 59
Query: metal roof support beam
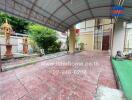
69, 9
113, 4
32, 7
46, 11
88, 6
81, 12
57, 9
30, 10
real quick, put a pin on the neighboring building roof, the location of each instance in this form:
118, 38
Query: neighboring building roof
62, 14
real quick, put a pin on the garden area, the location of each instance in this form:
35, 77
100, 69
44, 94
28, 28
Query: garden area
37, 42
123, 71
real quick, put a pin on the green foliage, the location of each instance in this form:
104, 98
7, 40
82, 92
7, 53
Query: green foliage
44, 37
18, 25
55, 47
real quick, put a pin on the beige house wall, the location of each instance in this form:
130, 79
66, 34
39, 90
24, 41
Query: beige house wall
87, 33
88, 40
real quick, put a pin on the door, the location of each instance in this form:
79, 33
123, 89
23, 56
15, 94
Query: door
105, 43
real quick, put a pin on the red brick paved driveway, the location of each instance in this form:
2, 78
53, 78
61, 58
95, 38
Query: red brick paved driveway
71, 77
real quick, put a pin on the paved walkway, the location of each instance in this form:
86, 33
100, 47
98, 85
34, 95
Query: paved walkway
28, 59
70, 77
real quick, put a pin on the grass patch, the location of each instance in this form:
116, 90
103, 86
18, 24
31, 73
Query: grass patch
123, 71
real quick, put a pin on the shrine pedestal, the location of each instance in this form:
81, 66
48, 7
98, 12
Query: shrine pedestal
25, 49
8, 53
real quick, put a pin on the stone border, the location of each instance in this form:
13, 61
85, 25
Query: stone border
30, 63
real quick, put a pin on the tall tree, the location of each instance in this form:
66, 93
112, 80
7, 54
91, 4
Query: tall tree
18, 25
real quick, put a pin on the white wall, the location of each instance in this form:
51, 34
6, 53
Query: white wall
17, 41
118, 39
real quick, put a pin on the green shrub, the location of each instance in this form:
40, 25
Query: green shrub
45, 38
81, 46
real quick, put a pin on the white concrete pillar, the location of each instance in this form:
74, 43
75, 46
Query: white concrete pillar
118, 37
72, 39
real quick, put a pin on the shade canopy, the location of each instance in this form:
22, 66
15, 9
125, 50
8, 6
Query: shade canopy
62, 14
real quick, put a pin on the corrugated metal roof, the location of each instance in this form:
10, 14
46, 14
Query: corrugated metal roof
61, 14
